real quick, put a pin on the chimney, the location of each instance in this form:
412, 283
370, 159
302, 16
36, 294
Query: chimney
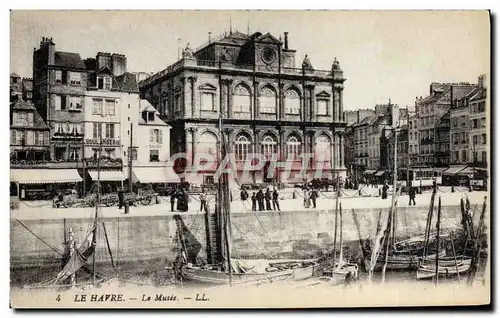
286, 40
481, 81
357, 116
119, 64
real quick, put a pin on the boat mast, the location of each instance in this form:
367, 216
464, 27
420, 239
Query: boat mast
223, 198
336, 221
98, 201
438, 228
341, 256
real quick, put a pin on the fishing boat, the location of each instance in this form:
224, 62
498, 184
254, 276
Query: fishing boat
445, 266
220, 267
77, 272
340, 270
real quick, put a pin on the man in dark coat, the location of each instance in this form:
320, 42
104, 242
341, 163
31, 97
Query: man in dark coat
120, 198
276, 204
243, 194
384, 191
314, 196
260, 200
268, 198
254, 202
412, 195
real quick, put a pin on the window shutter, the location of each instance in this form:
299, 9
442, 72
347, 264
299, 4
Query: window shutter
160, 136
151, 135
12, 137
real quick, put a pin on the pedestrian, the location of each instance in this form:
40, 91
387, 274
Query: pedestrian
254, 202
268, 198
243, 194
173, 195
307, 197
120, 198
276, 204
304, 193
185, 200
314, 196
384, 190
203, 201
412, 195
260, 200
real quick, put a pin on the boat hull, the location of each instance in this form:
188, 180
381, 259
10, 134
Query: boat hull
429, 272
216, 277
404, 262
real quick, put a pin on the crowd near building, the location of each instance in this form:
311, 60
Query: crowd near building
443, 138
76, 115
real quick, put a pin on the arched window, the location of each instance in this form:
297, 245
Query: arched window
322, 149
293, 146
242, 99
207, 143
268, 146
292, 102
241, 147
267, 100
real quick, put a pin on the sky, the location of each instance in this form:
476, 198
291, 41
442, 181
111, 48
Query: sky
384, 54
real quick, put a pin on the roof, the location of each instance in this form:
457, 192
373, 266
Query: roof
144, 105
126, 82
67, 59
37, 119
479, 94
367, 120
14, 75
28, 84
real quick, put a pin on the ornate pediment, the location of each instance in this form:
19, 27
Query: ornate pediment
268, 38
207, 86
323, 94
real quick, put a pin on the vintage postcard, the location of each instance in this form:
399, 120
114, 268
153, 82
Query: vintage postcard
256, 159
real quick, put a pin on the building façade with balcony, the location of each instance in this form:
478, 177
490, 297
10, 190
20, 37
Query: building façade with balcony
269, 106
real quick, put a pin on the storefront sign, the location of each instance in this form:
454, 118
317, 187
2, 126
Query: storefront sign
105, 142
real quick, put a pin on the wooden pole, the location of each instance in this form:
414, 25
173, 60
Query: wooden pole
477, 247
109, 247
336, 222
428, 224
130, 149
438, 228
71, 245
455, 255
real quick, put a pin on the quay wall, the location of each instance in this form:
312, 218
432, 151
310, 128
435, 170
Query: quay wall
139, 239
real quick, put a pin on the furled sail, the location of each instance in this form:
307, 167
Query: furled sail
189, 242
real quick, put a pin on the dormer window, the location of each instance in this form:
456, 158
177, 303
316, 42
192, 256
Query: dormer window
151, 116
104, 82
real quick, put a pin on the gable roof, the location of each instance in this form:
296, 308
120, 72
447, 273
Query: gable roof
144, 105
22, 105
14, 75
38, 121
67, 59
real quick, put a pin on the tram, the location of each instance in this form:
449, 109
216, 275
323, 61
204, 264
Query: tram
422, 176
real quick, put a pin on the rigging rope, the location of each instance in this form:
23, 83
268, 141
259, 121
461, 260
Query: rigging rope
38, 237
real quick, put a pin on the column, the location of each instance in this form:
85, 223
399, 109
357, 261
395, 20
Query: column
281, 104
281, 152
189, 144
185, 97
341, 150
229, 97
255, 110
341, 104
192, 81
256, 149
313, 104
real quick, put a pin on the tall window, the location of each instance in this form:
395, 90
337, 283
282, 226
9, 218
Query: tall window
242, 147
322, 150
74, 153
293, 148
97, 132
484, 156
178, 102
322, 107
242, 99
97, 106
58, 77
110, 131
22, 119
268, 146
38, 138
110, 107
154, 155
292, 102
268, 100
207, 143
464, 156
12, 137
75, 78
104, 82
208, 101
155, 135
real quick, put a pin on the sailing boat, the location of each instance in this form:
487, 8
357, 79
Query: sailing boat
449, 266
220, 267
78, 257
341, 269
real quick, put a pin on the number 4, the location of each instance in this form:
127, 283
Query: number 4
58, 298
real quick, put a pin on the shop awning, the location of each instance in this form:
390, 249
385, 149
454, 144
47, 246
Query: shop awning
466, 172
379, 173
154, 175
369, 172
45, 176
108, 175
454, 170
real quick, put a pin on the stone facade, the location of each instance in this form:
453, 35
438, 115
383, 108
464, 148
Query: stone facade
478, 119
59, 85
268, 106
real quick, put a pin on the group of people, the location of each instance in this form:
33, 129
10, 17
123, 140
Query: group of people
310, 196
263, 200
182, 198
412, 192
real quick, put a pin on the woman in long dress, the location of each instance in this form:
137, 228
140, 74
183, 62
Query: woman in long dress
307, 197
